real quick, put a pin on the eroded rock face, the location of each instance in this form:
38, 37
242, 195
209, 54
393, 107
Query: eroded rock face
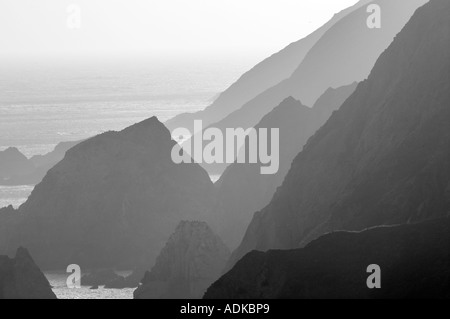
20, 278
242, 189
346, 53
381, 158
112, 201
191, 260
414, 262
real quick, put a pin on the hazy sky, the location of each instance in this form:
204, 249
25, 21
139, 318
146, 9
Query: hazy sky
177, 27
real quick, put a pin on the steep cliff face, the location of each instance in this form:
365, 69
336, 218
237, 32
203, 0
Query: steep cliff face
349, 50
191, 260
112, 201
20, 278
413, 259
242, 189
382, 158
263, 76
344, 54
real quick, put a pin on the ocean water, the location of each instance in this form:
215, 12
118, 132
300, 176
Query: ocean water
14, 195
59, 286
42, 104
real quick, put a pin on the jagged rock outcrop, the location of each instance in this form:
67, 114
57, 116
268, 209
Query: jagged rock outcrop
32, 170
263, 76
382, 158
344, 54
242, 189
112, 201
13, 162
20, 278
414, 262
192, 259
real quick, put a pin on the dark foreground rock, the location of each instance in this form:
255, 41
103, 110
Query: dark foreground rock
414, 261
382, 159
191, 260
20, 278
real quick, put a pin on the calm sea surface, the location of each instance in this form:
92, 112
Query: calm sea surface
58, 282
42, 105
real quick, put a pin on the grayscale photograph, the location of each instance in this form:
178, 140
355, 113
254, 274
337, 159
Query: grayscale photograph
209, 151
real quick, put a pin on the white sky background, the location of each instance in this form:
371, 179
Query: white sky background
37, 28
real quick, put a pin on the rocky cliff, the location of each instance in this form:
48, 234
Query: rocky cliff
242, 189
344, 54
192, 259
414, 262
112, 201
263, 76
20, 278
382, 158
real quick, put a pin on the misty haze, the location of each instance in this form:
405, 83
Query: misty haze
224, 150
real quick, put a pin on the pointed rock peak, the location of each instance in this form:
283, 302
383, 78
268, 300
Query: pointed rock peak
192, 226
291, 102
8, 209
23, 254
149, 125
185, 223
12, 150
194, 231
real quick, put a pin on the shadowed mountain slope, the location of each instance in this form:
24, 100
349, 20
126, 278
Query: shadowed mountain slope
242, 189
344, 54
414, 262
382, 158
263, 76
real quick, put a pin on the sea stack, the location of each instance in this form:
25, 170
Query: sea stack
191, 261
